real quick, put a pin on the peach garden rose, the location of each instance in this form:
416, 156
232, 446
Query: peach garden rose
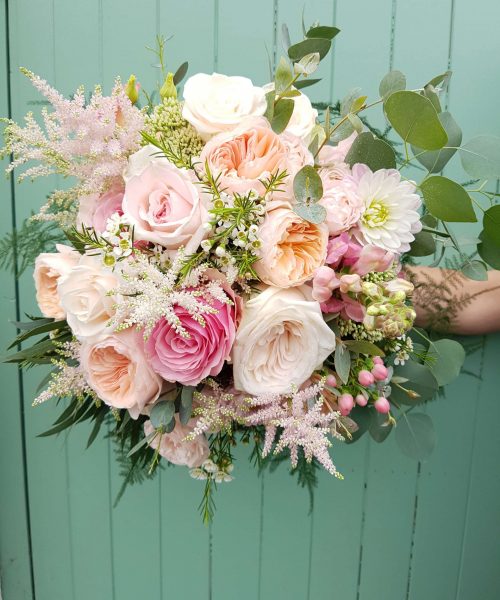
175, 448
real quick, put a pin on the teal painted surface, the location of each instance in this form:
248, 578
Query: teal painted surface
393, 529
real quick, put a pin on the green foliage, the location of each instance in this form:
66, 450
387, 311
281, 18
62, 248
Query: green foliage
435, 160
448, 359
308, 190
415, 119
162, 415
447, 200
309, 46
394, 81
415, 435
379, 426
489, 251
476, 270
282, 114
420, 384
371, 151
491, 224
481, 157
423, 244
19, 248
342, 360
186, 403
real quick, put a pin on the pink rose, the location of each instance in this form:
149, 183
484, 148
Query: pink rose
117, 369
291, 248
343, 206
94, 210
190, 360
164, 206
49, 268
241, 157
335, 155
175, 448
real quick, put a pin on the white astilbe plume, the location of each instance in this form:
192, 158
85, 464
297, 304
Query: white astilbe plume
68, 380
90, 141
216, 409
300, 421
148, 294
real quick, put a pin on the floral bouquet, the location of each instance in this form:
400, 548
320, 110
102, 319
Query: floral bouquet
233, 263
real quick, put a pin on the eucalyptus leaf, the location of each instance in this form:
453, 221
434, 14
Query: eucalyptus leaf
420, 380
430, 93
356, 122
481, 157
440, 81
270, 98
285, 36
423, 244
181, 73
447, 200
162, 413
313, 213
282, 113
394, 81
307, 185
323, 32
364, 347
415, 435
491, 225
141, 443
371, 151
303, 83
343, 131
348, 100
449, 357
476, 270
379, 427
415, 119
283, 76
435, 160
186, 406
308, 46
362, 416
489, 251
342, 361
307, 64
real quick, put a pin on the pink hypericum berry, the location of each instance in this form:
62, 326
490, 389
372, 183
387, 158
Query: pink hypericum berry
377, 360
331, 380
365, 378
346, 404
361, 400
380, 372
382, 405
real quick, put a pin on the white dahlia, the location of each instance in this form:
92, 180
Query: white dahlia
390, 216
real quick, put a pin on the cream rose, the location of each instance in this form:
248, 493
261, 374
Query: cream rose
164, 206
216, 103
140, 160
84, 296
281, 340
175, 448
117, 369
291, 248
343, 205
49, 268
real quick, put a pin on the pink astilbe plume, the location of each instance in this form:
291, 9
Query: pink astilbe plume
90, 141
302, 423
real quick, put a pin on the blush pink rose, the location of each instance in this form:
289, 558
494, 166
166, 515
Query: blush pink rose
250, 152
117, 369
190, 360
175, 448
330, 156
164, 206
49, 268
343, 206
291, 248
94, 210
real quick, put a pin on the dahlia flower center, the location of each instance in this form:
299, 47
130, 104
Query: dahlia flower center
376, 214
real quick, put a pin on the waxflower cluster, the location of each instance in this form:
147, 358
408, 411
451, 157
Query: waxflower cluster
228, 271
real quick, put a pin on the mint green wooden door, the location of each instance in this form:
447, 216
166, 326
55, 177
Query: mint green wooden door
393, 529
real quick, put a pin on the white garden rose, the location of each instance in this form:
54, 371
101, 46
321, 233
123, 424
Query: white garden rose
303, 117
216, 103
281, 340
83, 293
140, 160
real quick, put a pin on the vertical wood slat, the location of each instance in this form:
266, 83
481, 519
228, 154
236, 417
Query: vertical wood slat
15, 557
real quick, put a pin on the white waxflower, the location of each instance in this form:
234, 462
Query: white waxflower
390, 216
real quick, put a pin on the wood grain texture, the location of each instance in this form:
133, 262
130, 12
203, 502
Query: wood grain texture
392, 530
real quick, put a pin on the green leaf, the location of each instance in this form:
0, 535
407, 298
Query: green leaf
489, 251
342, 132
285, 35
415, 435
283, 77
491, 225
307, 185
162, 413
440, 81
298, 51
379, 427
181, 73
356, 122
420, 380
363, 347
348, 101
299, 85
449, 357
435, 161
282, 114
307, 64
371, 151
476, 270
481, 157
270, 97
423, 244
186, 406
141, 443
394, 81
323, 32
96, 428
415, 119
37, 330
342, 360
431, 95
314, 213
447, 200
